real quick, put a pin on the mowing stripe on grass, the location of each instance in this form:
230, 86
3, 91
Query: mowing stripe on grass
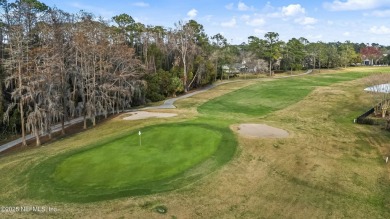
262, 98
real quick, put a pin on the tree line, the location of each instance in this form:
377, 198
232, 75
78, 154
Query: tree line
299, 53
56, 65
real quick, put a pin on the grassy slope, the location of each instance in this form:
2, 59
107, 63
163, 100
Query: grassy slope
332, 167
263, 98
329, 167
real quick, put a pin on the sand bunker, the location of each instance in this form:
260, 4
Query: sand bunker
146, 115
261, 131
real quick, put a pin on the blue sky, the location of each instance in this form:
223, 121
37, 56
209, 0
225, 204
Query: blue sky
361, 21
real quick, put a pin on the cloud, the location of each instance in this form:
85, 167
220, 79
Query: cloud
268, 8
242, 6
256, 22
347, 34
274, 15
287, 12
377, 13
229, 6
245, 17
380, 30
231, 23
292, 10
306, 21
192, 13
354, 5
141, 4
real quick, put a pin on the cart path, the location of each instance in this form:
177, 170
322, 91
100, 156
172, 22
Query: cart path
168, 104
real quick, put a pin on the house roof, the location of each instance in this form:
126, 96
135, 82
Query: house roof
380, 88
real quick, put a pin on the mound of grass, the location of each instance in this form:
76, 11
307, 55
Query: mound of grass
167, 159
263, 98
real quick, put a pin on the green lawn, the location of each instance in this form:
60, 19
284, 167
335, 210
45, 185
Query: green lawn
171, 155
266, 97
165, 160
328, 167
164, 152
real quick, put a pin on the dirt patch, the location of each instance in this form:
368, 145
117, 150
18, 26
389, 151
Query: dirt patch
260, 131
146, 115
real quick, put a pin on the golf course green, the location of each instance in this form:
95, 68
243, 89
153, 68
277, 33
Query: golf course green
162, 158
164, 152
167, 156
197, 165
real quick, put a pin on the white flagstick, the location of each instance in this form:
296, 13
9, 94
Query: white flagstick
139, 133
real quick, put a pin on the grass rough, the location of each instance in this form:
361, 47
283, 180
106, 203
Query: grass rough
329, 167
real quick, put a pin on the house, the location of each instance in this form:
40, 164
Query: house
380, 88
251, 66
379, 60
233, 69
366, 62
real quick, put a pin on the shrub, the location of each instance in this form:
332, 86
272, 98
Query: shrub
161, 85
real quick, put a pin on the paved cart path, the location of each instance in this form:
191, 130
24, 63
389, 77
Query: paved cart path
168, 104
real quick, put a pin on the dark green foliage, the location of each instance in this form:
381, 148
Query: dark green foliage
204, 70
158, 56
124, 20
201, 38
37, 5
293, 55
161, 85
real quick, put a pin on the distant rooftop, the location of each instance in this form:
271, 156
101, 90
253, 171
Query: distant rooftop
381, 88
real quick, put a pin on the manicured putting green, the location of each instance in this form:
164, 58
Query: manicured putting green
164, 152
170, 157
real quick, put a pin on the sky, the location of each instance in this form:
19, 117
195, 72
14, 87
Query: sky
360, 21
